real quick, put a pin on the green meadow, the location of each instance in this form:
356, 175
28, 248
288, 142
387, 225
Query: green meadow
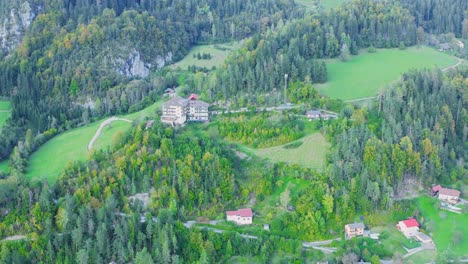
5, 111
311, 153
327, 4
218, 52
4, 166
365, 74
52, 157
448, 230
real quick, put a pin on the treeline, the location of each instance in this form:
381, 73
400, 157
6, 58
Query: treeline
414, 137
260, 67
260, 131
440, 16
78, 57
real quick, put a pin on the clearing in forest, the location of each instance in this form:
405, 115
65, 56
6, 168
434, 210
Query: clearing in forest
51, 158
311, 153
327, 4
4, 166
364, 75
5, 111
218, 53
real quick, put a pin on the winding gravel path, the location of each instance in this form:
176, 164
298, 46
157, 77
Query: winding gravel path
101, 127
453, 66
14, 238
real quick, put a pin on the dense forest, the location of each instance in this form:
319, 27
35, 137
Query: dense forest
440, 16
416, 135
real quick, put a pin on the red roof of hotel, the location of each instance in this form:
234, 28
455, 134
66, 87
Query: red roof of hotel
436, 188
247, 212
411, 222
193, 97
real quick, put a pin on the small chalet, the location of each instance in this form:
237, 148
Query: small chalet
169, 92
423, 237
409, 227
149, 124
445, 47
449, 195
315, 114
241, 216
353, 230
435, 190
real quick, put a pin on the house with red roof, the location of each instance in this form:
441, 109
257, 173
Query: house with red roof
241, 216
409, 227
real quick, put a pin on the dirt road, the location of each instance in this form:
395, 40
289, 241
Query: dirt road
101, 127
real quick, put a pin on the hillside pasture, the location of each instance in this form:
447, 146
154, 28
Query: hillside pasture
310, 154
448, 230
365, 74
52, 157
218, 52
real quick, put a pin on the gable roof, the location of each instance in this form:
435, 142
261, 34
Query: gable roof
313, 112
199, 104
436, 188
176, 101
193, 97
246, 212
356, 225
411, 222
449, 192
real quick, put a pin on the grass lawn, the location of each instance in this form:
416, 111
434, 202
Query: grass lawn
327, 4
448, 230
4, 166
267, 210
364, 75
395, 239
5, 105
108, 133
52, 157
5, 111
423, 257
310, 154
219, 53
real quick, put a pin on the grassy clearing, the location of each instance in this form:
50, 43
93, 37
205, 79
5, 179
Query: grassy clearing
310, 154
52, 157
391, 238
364, 75
5, 111
448, 230
327, 4
219, 53
267, 209
4, 166
108, 133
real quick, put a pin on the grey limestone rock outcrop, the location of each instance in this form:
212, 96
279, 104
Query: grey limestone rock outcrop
13, 26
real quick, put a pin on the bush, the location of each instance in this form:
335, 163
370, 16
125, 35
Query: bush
293, 145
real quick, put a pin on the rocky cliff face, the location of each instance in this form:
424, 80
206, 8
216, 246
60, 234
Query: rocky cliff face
13, 26
134, 66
